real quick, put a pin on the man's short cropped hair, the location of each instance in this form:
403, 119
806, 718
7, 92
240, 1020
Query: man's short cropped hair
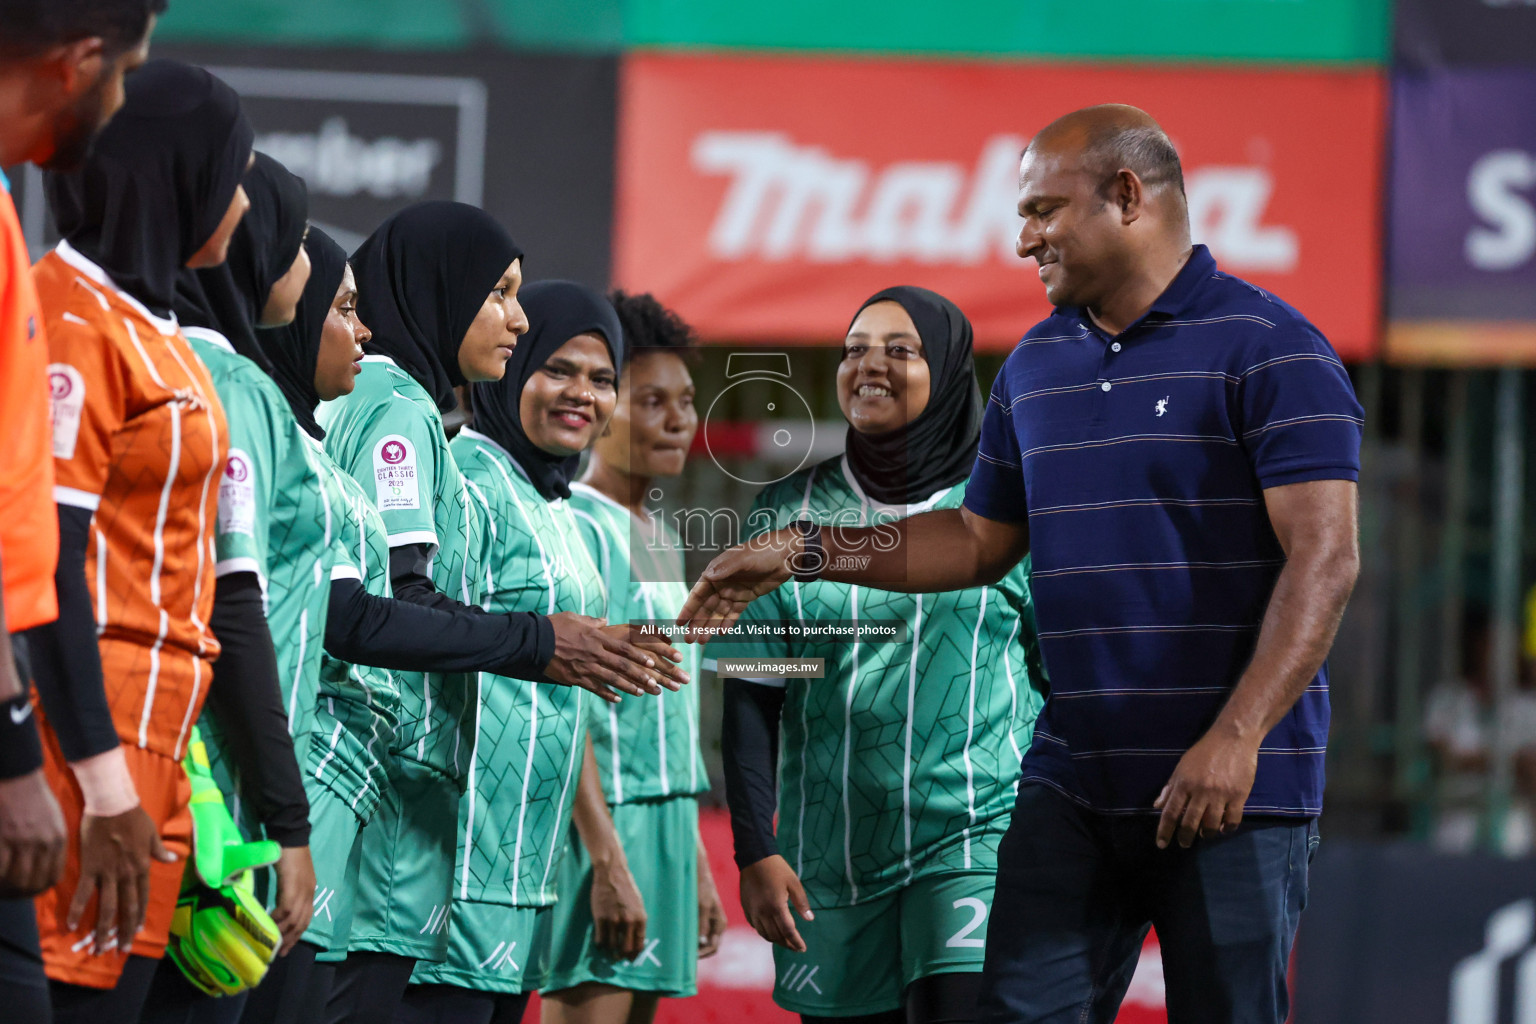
1144, 149
32, 27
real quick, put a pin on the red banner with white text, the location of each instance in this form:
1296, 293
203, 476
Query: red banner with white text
765, 197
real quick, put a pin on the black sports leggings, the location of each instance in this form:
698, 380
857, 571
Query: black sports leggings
121, 1004
449, 1004
936, 999
368, 988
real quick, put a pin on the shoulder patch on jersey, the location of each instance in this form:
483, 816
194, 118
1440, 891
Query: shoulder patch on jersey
394, 474
66, 392
237, 494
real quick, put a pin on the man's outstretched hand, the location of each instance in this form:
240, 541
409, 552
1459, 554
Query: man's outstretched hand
734, 579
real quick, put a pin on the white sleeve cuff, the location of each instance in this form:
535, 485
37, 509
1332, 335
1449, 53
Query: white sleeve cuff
75, 498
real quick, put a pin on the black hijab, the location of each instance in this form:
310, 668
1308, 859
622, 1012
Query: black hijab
293, 349
421, 278
557, 312
157, 181
938, 448
230, 297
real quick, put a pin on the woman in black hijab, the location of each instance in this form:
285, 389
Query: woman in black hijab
422, 279
558, 311
260, 282
904, 755
161, 187
901, 455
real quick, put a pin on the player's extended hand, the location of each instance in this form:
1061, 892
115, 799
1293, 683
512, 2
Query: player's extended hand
618, 911
32, 837
601, 658
1208, 788
115, 853
734, 579
295, 895
668, 671
711, 911
767, 889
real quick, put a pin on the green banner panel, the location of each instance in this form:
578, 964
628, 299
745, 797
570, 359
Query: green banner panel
580, 25
1267, 30
1309, 31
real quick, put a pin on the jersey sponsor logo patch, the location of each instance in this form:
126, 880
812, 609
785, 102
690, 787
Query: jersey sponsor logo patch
394, 474
66, 391
237, 495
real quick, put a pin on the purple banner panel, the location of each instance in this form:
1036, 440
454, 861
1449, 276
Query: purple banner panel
1462, 251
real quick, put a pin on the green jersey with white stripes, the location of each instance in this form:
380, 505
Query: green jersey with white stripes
514, 820
273, 521
359, 705
647, 749
903, 760
388, 435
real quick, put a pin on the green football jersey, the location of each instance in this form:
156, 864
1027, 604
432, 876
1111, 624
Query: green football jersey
647, 748
514, 821
903, 760
273, 520
388, 435
358, 708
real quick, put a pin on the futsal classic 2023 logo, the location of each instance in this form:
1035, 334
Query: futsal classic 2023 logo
394, 474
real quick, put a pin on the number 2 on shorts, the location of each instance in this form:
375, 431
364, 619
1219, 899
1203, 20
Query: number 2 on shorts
962, 937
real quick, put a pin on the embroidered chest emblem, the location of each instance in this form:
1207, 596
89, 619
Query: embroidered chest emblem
1161, 406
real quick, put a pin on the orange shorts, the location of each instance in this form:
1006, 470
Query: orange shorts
164, 793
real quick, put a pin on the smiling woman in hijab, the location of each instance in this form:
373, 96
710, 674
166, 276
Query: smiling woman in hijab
140, 440
896, 770
438, 286
529, 430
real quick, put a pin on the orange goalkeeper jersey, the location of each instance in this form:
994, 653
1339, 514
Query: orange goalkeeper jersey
139, 438
29, 527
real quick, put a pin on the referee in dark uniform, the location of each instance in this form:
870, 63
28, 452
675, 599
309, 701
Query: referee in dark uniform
1178, 450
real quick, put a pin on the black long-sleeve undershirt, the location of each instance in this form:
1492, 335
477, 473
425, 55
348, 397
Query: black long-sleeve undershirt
246, 702
66, 663
410, 579
366, 629
749, 745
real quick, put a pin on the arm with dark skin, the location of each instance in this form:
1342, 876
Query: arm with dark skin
948, 549
618, 911
31, 827
1315, 523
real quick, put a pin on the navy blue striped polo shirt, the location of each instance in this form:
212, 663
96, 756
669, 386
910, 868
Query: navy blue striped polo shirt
1140, 464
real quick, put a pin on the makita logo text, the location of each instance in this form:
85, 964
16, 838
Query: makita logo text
788, 201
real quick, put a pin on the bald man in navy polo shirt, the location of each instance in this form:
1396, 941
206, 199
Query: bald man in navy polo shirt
1179, 452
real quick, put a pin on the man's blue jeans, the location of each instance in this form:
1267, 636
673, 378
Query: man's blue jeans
1077, 891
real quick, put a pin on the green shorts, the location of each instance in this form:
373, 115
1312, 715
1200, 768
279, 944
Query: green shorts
336, 846
405, 878
492, 948
860, 959
660, 840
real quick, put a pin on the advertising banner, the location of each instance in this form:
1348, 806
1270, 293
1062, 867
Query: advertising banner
765, 197
529, 137
1462, 254
1481, 33
1401, 935
1250, 30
